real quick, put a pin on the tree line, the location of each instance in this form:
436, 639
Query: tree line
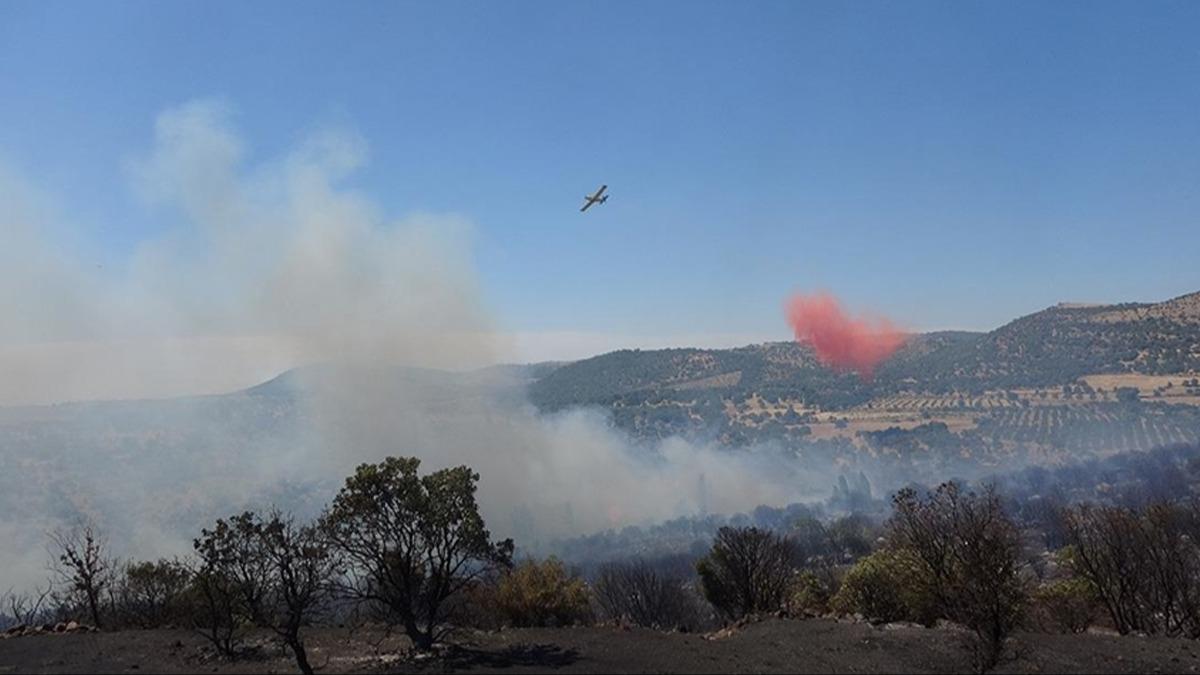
412, 551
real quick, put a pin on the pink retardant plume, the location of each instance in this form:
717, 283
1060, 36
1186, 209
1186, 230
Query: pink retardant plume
842, 342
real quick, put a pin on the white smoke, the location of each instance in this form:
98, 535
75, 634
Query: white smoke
281, 263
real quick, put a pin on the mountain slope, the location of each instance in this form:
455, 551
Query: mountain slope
1059, 344
1052, 347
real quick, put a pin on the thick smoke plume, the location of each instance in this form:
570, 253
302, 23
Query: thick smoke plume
843, 342
267, 265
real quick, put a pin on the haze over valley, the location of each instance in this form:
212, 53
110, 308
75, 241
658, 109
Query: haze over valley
541, 336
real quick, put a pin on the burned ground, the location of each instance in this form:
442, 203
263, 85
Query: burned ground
816, 645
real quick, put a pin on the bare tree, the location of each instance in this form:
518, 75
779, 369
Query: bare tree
24, 609
971, 553
1143, 563
1104, 541
747, 570
82, 563
636, 592
216, 615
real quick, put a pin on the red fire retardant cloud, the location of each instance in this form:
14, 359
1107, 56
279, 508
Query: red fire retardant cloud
842, 342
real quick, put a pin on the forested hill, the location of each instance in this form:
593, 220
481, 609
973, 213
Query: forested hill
1052, 347
1064, 342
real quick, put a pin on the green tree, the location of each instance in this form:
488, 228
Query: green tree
409, 543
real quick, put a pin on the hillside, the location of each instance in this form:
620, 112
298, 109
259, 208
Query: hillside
1042, 388
1059, 344
1052, 347
1047, 389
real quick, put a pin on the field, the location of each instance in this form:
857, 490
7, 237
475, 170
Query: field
1168, 388
1035, 419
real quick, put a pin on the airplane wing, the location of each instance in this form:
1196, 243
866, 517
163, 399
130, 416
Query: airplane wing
592, 199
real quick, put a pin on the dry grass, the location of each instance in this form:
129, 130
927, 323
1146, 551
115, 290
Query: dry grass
1147, 384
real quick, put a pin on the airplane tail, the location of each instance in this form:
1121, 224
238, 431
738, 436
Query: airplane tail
604, 199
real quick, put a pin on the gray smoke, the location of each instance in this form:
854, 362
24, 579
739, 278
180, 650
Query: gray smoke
268, 266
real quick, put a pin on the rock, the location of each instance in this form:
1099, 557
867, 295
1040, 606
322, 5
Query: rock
60, 627
16, 630
720, 634
72, 626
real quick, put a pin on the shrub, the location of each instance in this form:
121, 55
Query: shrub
970, 553
541, 594
809, 593
888, 585
153, 594
1144, 564
748, 570
852, 535
270, 573
1065, 605
636, 592
25, 609
217, 614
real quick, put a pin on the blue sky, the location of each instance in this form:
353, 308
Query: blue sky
948, 164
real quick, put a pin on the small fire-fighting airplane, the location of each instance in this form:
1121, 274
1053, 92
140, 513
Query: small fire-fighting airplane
595, 199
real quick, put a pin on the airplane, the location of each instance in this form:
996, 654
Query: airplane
594, 199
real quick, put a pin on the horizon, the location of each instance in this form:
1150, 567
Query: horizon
656, 344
